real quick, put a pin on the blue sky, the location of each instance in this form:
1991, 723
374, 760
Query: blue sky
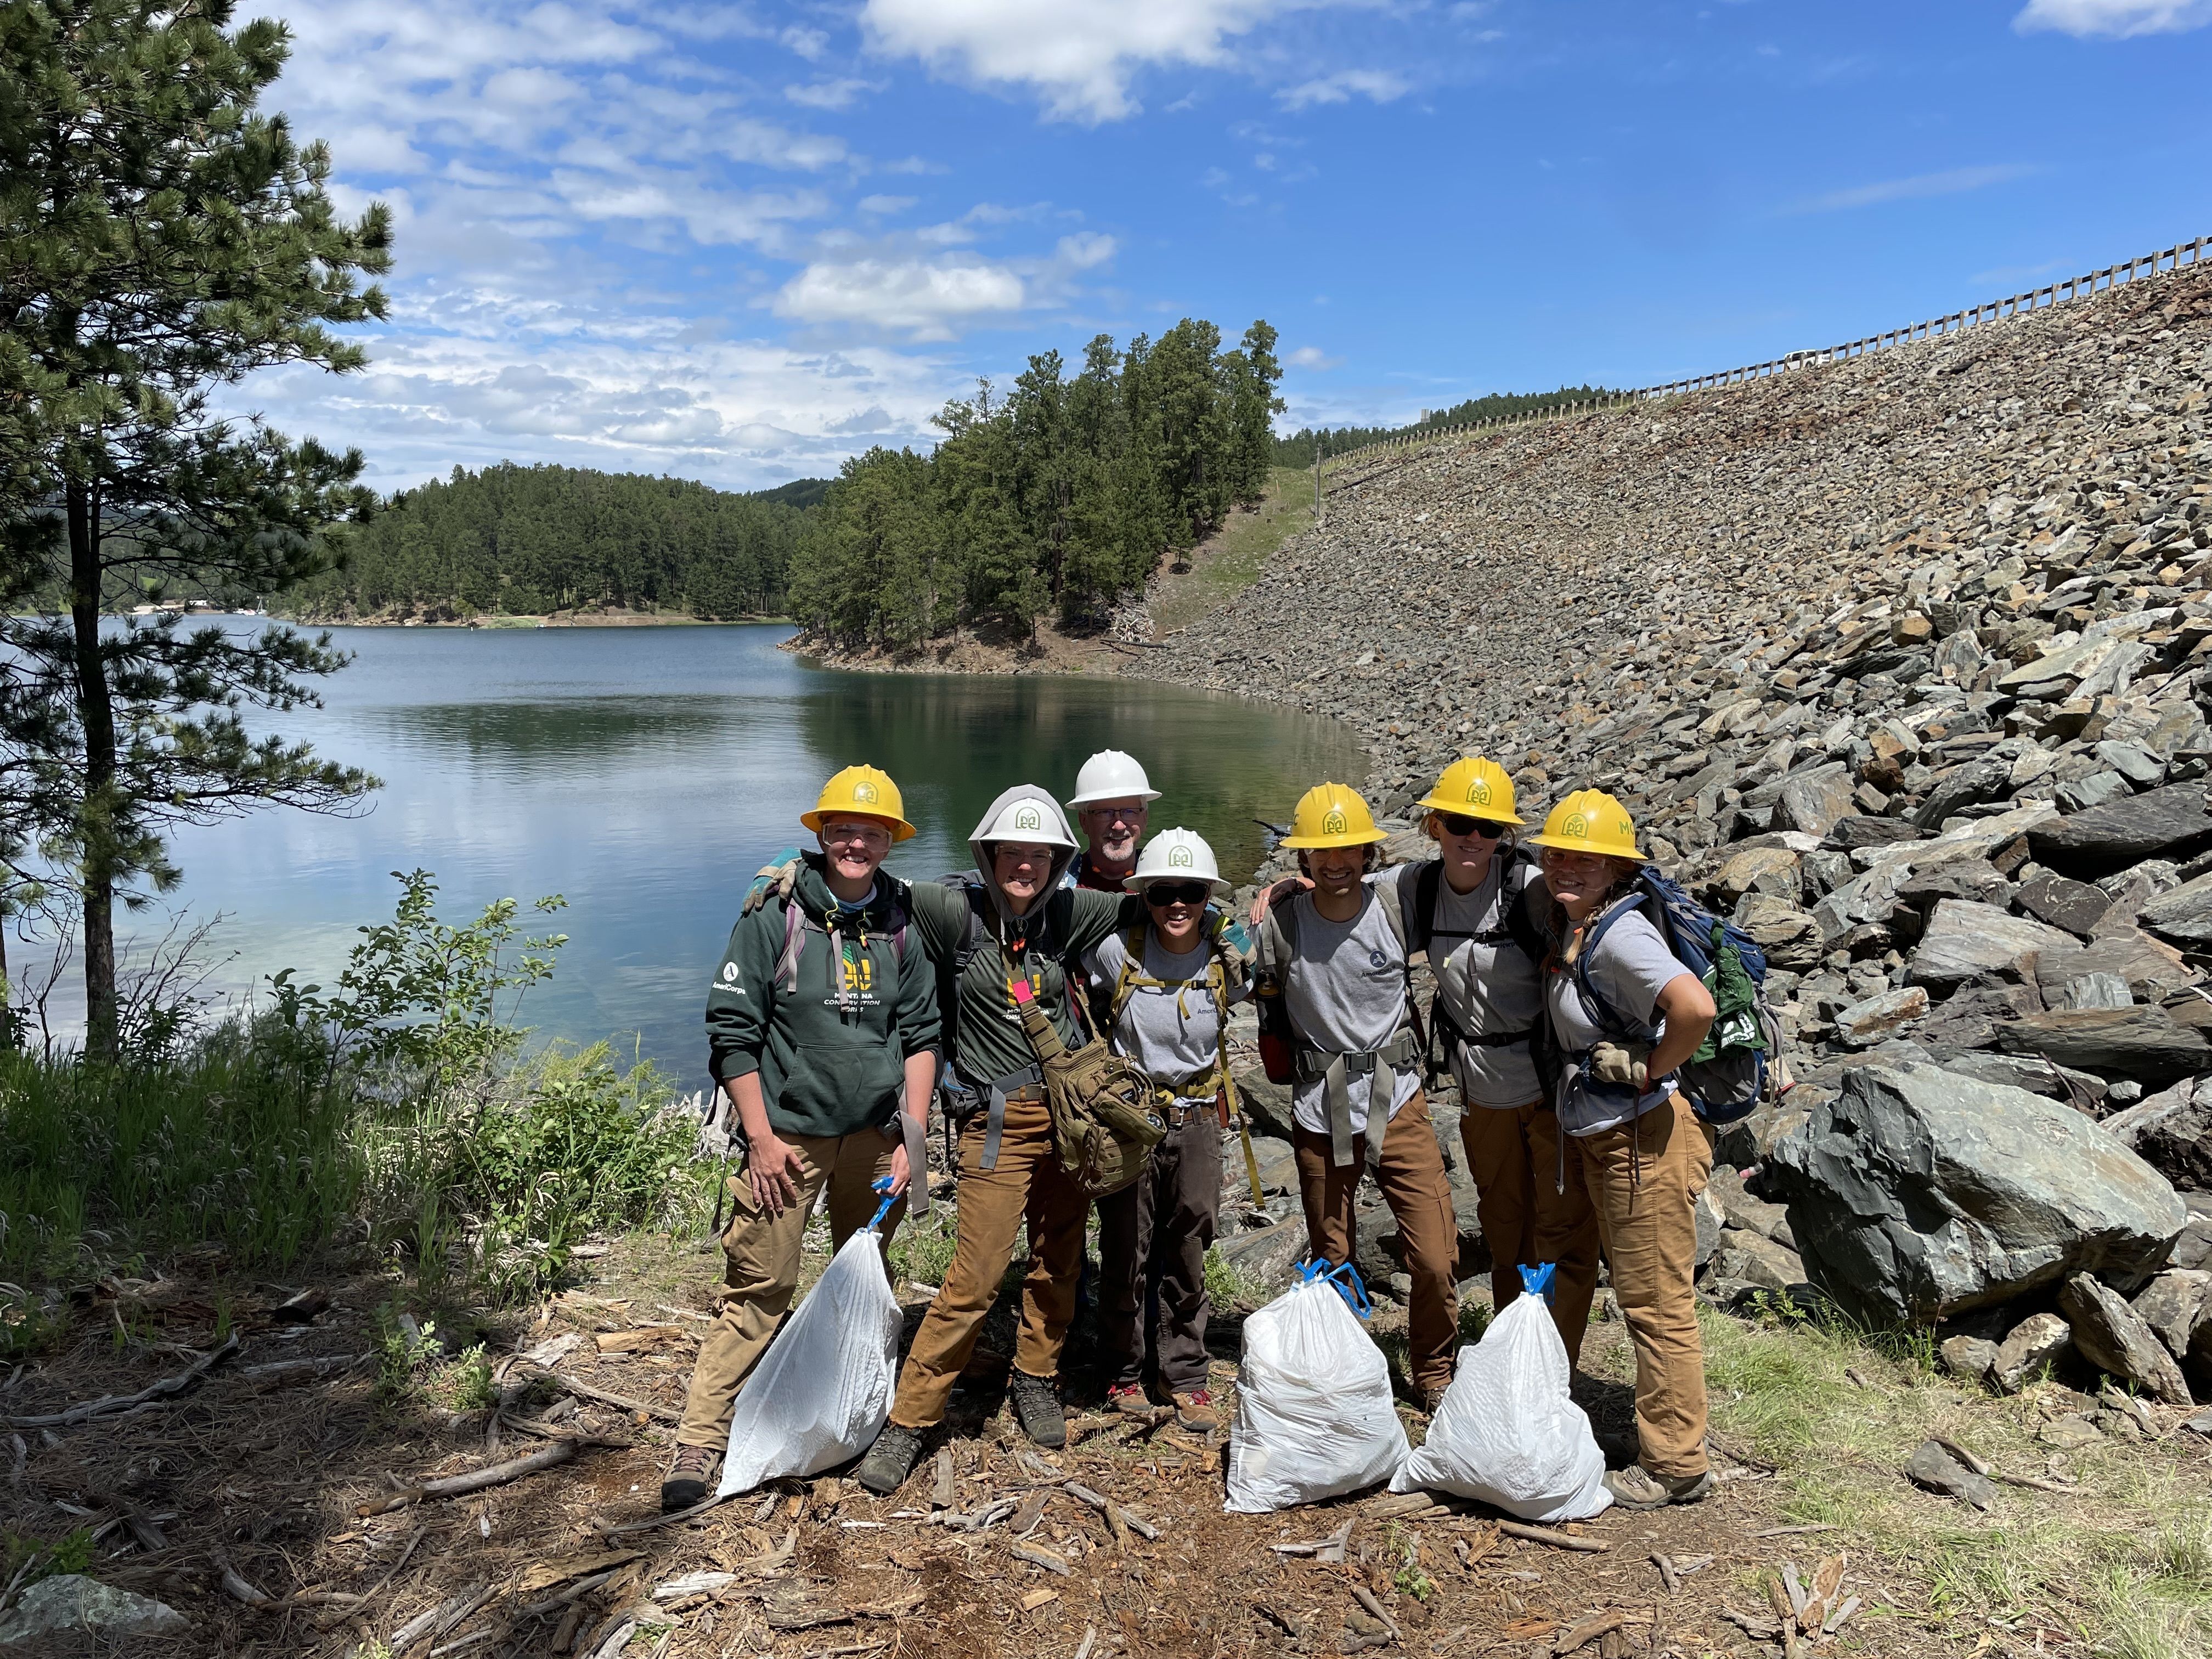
741, 242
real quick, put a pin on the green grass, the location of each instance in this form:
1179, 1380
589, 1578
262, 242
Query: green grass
243, 1143
1229, 1290
2126, 1559
1230, 561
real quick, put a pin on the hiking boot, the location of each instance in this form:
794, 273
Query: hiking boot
688, 1478
1129, 1397
1196, 1411
890, 1460
1036, 1403
1637, 1488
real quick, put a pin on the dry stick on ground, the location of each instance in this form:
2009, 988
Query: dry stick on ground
1366, 1599
167, 1388
652, 1523
1666, 1573
1116, 1516
621, 1402
1582, 1635
1557, 1539
559, 1452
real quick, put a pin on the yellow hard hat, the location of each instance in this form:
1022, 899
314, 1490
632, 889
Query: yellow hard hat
1331, 815
1591, 821
860, 792
1475, 788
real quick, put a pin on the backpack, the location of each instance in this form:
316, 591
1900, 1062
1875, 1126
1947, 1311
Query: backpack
1274, 950
1739, 1065
1106, 1011
797, 923
1105, 1118
1417, 904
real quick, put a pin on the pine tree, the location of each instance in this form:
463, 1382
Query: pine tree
159, 240
1254, 372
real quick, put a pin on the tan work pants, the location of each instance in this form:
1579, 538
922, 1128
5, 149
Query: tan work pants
1411, 1175
1642, 1180
1513, 1154
1027, 1183
763, 1252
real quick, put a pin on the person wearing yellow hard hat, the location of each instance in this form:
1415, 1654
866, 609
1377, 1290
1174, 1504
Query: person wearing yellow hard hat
822, 1023
1477, 909
1337, 1022
1624, 1014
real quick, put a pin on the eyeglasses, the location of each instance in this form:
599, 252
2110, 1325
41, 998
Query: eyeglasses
1116, 814
1160, 894
1459, 824
865, 835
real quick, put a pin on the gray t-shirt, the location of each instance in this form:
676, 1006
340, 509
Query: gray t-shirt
1346, 995
1173, 1033
1632, 965
1487, 988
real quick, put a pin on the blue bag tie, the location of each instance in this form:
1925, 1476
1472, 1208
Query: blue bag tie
882, 1184
1537, 1281
1343, 1278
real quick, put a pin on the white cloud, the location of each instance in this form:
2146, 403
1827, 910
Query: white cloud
882, 204
830, 94
1078, 54
2122, 18
1957, 181
1085, 251
1313, 357
924, 298
1380, 85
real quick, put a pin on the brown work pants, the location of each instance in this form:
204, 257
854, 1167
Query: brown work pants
1643, 1179
1152, 1236
1411, 1175
1028, 1183
1513, 1154
762, 1252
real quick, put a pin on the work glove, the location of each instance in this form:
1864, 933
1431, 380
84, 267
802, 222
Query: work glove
778, 879
1621, 1066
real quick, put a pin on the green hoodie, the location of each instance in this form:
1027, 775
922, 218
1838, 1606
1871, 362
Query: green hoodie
831, 1054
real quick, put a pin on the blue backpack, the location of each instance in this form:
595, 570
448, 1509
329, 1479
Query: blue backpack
1739, 1063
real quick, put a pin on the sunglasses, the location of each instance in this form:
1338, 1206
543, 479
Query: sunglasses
1459, 824
1160, 894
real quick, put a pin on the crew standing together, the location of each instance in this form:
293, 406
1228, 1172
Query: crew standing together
848, 998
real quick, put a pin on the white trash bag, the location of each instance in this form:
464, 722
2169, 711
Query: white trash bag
821, 1394
1506, 1433
1315, 1418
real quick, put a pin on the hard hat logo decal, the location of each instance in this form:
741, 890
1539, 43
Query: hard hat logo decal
1477, 792
1334, 823
1577, 827
864, 791
1029, 818
1179, 857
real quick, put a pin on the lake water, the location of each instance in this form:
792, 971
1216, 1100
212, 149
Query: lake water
647, 772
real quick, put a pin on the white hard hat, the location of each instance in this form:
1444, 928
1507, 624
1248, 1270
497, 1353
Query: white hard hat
1177, 855
1027, 817
1110, 774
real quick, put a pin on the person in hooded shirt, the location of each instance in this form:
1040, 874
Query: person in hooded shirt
821, 1020
1016, 919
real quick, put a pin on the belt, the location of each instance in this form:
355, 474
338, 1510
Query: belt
1026, 1086
1380, 1067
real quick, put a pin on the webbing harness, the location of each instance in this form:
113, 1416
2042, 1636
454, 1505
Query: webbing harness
1133, 978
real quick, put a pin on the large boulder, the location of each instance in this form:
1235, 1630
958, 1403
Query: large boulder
1965, 940
2171, 1132
2174, 1305
2146, 1043
2169, 823
1815, 800
2111, 1336
2184, 912
1915, 1194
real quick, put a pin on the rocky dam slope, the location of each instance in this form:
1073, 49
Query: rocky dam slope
1904, 661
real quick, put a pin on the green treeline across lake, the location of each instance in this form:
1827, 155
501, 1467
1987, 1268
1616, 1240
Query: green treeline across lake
1056, 498
526, 540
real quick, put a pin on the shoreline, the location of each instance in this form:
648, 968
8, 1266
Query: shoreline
530, 623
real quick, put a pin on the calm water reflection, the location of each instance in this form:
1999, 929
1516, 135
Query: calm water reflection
645, 774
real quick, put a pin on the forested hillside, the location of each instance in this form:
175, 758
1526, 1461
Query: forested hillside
1055, 498
525, 540
1297, 449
